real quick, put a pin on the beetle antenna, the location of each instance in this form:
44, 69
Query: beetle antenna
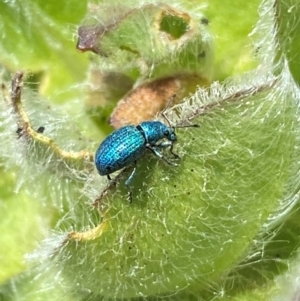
172, 98
187, 126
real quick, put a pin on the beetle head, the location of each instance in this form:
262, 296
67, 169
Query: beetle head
169, 133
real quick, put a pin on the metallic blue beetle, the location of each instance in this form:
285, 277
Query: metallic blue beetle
127, 144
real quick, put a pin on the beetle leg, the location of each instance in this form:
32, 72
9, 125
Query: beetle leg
171, 151
166, 144
157, 153
128, 181
163, 144
108, 177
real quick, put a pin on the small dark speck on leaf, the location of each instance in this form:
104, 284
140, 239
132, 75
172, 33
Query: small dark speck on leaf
41, 129
19, 131
201, 54
204, 21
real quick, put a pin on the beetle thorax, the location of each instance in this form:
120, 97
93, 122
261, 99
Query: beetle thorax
156, 130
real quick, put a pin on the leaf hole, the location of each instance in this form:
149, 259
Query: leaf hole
174, 25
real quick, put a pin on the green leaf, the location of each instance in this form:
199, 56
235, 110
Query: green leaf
150, 48
36, 35
188, 221
20, 227
287, 34
230, 23
214, 227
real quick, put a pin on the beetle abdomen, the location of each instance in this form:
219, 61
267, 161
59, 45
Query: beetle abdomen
119, 149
